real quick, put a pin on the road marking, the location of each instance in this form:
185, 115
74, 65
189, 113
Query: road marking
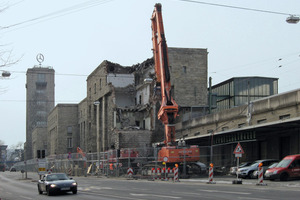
252, 198
25, 197
154, 195
228, 192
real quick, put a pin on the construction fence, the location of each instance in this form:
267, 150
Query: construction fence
116, 163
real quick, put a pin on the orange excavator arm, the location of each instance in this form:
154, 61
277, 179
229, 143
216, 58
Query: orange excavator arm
169, 109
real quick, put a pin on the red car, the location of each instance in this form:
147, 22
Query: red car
287, 168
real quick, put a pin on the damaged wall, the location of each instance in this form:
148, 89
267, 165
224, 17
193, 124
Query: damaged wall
132, 138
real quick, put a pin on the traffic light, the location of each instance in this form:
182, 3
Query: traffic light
43, 153
38, 152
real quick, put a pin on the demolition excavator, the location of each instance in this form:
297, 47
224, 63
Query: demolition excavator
170, 152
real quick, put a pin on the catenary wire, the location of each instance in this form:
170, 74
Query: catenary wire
234, 7
59, 13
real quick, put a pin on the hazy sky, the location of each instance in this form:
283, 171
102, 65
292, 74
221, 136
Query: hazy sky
75, 36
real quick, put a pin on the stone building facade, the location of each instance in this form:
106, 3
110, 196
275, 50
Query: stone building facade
189, 76
63, 135
39, 141
120, 108
108, 85
84, 140
39, 102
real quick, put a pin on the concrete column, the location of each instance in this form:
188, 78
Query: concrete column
103, 123
98, 129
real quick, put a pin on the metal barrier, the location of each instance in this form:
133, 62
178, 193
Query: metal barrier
116, 163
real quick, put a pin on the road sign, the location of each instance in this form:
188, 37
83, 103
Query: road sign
238, 150
42, 167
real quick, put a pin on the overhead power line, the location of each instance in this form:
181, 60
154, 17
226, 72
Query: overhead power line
59, 13
235, 7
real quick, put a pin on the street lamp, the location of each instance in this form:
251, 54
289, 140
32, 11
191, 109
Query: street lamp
5, 74
292, 19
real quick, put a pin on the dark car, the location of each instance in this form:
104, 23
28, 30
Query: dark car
56, 182
256, 172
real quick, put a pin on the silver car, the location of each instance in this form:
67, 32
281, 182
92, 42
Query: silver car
247, 172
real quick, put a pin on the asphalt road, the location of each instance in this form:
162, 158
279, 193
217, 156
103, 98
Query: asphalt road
14, 187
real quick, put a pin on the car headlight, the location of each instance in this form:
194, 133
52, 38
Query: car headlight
74, 184
53, 185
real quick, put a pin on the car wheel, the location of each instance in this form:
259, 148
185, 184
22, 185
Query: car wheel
284, 177
250, 174
48, 192
74, 191
40, 191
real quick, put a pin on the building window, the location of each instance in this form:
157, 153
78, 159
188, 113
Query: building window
184, 69
283, 117
69, 129
225, 128
261, 121
41, 77
70, 142
100, 84
241, 125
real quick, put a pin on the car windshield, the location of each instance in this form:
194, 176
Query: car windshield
244, 164
55, 177
273, 165
255, 164
284, 163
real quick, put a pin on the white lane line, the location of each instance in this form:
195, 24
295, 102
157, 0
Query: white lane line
228, 192
154, 195
26, 197
249, 198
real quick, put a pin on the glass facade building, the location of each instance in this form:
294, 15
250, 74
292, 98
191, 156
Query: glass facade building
241, 90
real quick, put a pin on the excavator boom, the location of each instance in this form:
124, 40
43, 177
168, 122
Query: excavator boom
169, 109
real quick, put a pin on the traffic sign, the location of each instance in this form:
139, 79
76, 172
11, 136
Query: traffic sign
166, 159
42, 167
238, 149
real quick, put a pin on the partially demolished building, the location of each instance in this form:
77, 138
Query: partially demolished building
120, 109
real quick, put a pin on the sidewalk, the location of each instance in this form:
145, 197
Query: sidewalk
229, 179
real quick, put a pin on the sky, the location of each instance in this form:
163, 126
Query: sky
75, 36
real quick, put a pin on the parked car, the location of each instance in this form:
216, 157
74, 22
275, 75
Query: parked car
56, 182
287, 168
13, 169
247, 172
233, 170
255, 173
